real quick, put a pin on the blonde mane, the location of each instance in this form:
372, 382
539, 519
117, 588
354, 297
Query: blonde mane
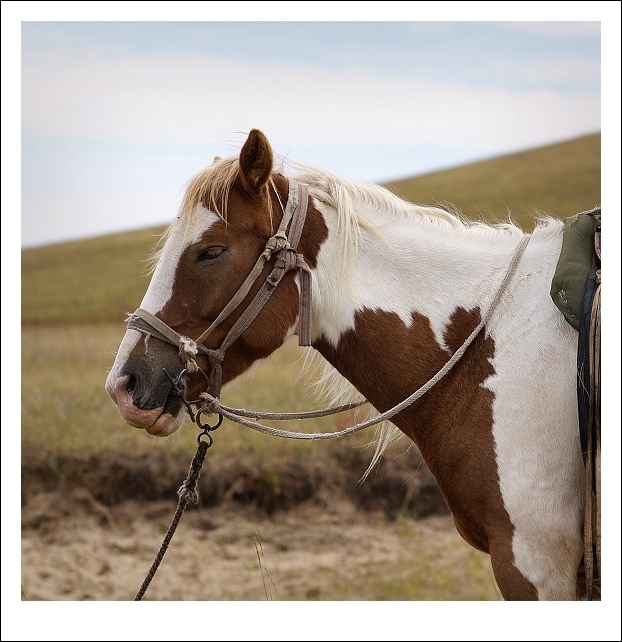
211, 187
349, 199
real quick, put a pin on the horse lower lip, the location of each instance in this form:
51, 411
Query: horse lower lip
164, 425
160, 426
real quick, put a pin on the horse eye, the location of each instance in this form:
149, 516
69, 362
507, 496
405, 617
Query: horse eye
211, 253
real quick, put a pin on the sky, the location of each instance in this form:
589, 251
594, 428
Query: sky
118, 114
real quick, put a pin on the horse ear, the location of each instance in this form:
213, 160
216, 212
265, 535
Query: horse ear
256, 161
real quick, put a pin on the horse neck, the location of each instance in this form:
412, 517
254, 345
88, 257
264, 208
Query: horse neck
418, 265
413, 293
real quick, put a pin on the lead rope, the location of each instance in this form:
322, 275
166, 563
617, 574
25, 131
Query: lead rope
208, 404
187, 493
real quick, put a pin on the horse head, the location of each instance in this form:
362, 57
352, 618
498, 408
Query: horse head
225, 224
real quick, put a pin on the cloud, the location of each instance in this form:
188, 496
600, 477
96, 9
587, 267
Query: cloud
553, 28
556, 73
203, 99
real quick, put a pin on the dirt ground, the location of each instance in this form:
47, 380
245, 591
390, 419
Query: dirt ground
280, 548
311, 552
286, 530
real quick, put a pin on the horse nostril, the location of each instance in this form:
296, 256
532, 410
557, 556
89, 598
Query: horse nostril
130, 384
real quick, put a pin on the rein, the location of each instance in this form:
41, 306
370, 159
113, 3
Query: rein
283, 246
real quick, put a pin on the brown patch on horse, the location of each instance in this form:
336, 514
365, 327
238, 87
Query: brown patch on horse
451, 424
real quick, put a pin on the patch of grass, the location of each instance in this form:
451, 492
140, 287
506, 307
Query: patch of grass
66, 409
64, 405
93, 280
436, 580
423, 571
313, 593
441, 572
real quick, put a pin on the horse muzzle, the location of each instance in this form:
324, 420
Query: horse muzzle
161, 420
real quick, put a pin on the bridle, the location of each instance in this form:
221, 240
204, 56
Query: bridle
283, 247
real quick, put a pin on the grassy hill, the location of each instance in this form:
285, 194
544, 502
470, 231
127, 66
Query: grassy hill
560, 180
101, 279
98, 279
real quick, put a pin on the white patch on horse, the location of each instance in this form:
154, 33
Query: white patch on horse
527, 348
160, 288
390, 255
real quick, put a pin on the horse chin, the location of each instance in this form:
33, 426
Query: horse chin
166, 424
157, 422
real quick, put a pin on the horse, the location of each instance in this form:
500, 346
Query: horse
385, 292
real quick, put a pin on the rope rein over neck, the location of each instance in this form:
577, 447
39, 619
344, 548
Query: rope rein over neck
243, 417
283, 246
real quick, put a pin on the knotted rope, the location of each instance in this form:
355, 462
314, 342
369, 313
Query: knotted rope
187, 493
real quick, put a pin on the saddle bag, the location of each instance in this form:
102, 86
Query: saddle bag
575, 289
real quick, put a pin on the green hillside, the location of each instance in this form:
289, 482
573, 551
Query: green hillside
98, 279
560, 180
101, 279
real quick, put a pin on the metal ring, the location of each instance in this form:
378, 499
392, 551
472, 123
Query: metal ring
209, 438
205, 426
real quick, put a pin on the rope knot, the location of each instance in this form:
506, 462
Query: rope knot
290, 259
187, 494
275, 244
215, 357
187, 351
209, 404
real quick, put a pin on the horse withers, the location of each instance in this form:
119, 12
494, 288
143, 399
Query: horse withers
386, 292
